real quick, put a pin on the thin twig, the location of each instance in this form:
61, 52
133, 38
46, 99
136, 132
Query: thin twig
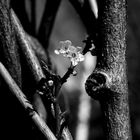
26, 104
27, 49
84, 8
32, 60
67, 74
38, 49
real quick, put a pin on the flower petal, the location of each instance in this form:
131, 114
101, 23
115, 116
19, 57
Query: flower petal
79, 49
68, 42
81, 57
70, 51
56, 52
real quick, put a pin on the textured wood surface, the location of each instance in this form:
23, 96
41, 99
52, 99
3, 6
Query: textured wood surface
108, 82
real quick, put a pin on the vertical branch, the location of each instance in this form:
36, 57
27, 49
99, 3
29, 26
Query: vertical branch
32, 60
20, 10
108, 82
27, 50
8, 46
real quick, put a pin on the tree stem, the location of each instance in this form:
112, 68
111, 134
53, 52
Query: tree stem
9, 54
108, 82
26, 104
31, 58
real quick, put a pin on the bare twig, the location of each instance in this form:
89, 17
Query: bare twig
32, 59
38, 49
26, 104
27, 49
67, 74
60, 132
84, 8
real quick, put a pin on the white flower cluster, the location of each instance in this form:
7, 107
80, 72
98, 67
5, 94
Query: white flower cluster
71, 52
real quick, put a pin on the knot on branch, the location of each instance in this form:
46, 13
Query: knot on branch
96, 86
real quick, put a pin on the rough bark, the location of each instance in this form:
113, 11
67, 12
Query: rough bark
9, 56
38, 121
34, 66
108, 82
8, 46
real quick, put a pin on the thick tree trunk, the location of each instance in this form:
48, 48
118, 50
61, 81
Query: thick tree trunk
108, 82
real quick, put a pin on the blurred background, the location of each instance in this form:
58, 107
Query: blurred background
85, 121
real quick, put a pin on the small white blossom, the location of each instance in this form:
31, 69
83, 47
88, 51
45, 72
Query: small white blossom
74, 73
73, 53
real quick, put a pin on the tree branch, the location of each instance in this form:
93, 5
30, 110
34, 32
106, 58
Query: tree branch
108, 82
26, 104
8, 47
38, 49
30, 56
32, 62
32, 59
20, 10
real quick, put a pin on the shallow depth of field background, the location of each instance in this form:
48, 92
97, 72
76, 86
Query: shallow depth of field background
68, 26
